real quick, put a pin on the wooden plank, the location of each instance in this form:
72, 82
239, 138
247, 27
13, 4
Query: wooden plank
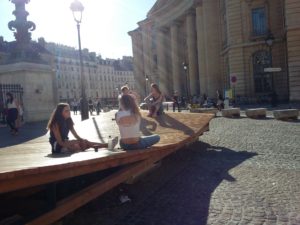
30, 166
79, 199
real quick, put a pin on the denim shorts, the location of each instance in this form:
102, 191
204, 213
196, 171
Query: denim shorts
144, 142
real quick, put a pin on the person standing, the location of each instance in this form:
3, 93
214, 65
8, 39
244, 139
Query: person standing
128, 119
91, 106
98, 106
176, 101
74, 105
220, 101
12, 113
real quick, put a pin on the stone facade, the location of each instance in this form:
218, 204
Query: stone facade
39, 86
103, 77
218, 40
36, 81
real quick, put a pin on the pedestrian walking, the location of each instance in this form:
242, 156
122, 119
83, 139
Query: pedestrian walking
220, 101
98, 106
12, 113
176, 101
91, 106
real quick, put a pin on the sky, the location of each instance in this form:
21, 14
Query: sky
104, 28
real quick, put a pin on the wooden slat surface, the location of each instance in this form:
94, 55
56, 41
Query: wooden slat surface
31, 163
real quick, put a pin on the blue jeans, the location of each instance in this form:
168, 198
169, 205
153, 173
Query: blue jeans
144, 142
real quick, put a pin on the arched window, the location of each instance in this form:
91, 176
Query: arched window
262, 80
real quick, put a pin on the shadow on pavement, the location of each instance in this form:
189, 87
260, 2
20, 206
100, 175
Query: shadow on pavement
178, 192
27, 132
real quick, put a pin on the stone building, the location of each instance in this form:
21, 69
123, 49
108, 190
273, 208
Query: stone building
103, 77
201, 46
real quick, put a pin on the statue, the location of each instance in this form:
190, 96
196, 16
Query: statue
22, 49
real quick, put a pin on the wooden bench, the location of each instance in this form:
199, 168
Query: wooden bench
31, 165
204, 110
231, 112
256, 113
286, 114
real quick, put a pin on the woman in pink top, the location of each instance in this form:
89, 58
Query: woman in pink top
154, 100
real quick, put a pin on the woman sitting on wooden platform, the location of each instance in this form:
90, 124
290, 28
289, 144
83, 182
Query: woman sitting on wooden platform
128, 119
154, 101
60, 123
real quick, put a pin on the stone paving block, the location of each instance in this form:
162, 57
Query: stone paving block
244, 171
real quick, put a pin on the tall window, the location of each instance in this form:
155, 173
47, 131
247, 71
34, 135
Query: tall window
262, 80
259, 21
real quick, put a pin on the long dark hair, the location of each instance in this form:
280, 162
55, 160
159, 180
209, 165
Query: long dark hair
129, 104
155, 86
57, 117
10, 99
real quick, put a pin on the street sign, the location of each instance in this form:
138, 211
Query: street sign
272, 69
233, 79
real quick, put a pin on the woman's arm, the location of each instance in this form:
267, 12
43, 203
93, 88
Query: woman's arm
148, 97
158, 101
56, 132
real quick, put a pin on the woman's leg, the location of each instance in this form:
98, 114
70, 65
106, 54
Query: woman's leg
85, 144
155, 109
147, 141
10, 123
11, 119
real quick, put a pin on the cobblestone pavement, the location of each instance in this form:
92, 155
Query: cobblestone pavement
243, 171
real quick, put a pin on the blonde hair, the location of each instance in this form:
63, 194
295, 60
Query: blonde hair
129, 103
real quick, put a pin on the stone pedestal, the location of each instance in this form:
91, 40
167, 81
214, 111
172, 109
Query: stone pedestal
256, 113
286, 114
232, 112
204, 110
37, 81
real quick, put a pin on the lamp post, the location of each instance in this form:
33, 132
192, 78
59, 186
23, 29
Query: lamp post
269, 42
146, 85
186, 70
77, 8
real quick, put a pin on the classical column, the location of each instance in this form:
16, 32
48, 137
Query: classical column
192, 53
201, 50
211, 44
138, 63
292, 25
175, 58
161, 61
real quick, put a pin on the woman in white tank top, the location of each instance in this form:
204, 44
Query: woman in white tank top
128, 119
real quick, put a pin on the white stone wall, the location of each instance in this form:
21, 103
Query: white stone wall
37, 82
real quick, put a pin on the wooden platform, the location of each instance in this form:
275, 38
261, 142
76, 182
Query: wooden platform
31, 164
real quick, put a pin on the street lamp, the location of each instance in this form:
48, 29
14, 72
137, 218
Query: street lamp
269, 40
186, 70
77, 8
146, 85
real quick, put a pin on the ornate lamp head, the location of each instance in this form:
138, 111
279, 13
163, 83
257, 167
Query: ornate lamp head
77, 9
